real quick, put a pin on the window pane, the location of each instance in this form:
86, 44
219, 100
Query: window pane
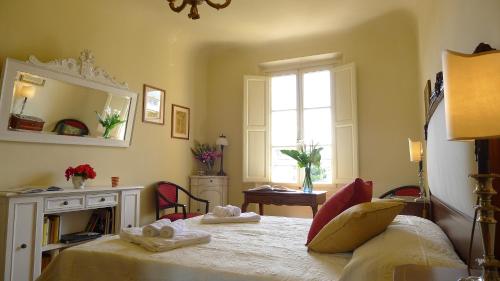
317, 126
324, 173
284, 128
284, 168
284, 92
317, 92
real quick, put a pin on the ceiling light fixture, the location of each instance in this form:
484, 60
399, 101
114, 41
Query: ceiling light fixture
193, 14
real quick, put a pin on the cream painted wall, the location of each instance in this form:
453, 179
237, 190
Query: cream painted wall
386, 55
133, 42
458, 25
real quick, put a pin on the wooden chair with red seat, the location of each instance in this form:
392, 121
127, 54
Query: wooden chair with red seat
167, 196
407, 190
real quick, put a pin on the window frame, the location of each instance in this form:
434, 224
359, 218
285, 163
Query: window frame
300, 72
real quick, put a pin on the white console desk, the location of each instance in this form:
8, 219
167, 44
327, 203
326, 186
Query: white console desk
22, 215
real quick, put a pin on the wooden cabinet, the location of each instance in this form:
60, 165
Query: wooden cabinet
23, 241
211, 188
414, 208
22, 217
130, 209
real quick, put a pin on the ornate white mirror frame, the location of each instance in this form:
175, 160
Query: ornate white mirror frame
81, 72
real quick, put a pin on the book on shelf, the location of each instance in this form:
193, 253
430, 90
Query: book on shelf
51, 229
55, 229
46, 228
101, 221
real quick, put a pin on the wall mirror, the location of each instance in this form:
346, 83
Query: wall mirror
67, 101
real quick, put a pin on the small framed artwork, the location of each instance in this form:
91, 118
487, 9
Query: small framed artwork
153, 110
180, 122
427, 96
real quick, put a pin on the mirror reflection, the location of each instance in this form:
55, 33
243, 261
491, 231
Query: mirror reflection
51, 106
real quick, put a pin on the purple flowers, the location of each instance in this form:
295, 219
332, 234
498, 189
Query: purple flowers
205, 153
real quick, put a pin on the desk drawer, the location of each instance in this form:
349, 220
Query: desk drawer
61, 204
102, 200
209, 181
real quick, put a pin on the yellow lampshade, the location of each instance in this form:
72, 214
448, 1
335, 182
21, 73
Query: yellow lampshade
472, 95
26, 91
416, 150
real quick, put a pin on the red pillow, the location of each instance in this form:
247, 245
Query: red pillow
352, 194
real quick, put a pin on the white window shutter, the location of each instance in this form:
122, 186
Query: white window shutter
346, 124
256, 154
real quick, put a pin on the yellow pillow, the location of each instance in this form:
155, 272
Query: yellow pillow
355, 226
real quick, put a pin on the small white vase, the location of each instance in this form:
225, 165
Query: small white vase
78, 182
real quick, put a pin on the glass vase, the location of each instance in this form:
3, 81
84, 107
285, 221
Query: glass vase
107, 132
209, 169
307, 187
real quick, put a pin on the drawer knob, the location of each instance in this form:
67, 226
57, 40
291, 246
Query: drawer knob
211, 180
103, 199
24, 246
65, 203
129, 226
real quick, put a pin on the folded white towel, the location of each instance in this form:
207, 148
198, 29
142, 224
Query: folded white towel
153, 230
210, 218
172, 229
227, 211
158, 244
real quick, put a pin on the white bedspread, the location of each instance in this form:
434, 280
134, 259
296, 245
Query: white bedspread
270, 250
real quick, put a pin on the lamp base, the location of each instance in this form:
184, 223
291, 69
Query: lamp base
484, 190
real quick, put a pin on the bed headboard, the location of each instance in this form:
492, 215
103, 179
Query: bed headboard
449, 164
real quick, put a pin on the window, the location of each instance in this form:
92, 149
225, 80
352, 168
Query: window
301, 110
310, 104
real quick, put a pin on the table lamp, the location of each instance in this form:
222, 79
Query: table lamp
416, 155
222, 141
472, 98
27, 92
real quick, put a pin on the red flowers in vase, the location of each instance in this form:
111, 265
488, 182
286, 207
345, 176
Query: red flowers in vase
85, 171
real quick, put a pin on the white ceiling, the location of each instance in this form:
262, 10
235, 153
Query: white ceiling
257, 21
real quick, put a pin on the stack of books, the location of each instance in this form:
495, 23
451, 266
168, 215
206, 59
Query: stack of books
51, 229
102, 221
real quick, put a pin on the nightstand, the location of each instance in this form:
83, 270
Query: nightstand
211, 188
414, 208
419, 273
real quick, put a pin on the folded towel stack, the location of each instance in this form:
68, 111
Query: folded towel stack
211, 218
164, 228
153, 230
227, 211
173, 229
159, 244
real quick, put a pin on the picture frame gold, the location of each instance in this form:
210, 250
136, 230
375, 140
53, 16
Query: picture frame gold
153, 107
180, 122
427, 96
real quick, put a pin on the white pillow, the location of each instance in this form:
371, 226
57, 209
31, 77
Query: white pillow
407, 240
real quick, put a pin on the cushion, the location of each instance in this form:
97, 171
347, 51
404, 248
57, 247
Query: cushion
354, 193
179, 216
355, 226
407, 240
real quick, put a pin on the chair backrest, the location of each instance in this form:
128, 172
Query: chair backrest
167, 190
407, 190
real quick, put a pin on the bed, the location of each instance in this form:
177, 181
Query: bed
270, 250
273, 250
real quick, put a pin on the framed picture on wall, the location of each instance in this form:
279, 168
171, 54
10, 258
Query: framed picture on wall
180, 122
153, 110
427, 96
